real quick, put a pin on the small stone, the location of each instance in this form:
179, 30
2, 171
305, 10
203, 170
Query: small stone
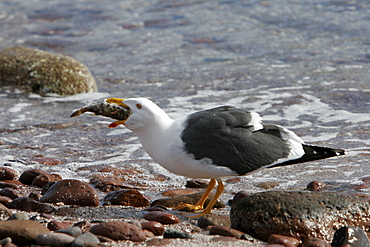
351, 235
267, 185
5, 241
223, 239
284, 240
238, 196
29, 205
130, 197
56, 225
47, 161
158, 242
155, 227
18, 216
225, 231
316, 186
213, 219
42, 72
4, 211
71, 192
177, 192
196, 184
73, 231
11, 193
44, 179
162, 217
10, 183
34, 196
22, 232
54, 239
5, 199
315, 242
7, 173
148, 234
172, 233
28, 175
85, 239
192, 199
118, 230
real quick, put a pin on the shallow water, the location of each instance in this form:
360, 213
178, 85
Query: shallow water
303, 65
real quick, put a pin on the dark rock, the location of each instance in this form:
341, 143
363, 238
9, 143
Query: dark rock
353, 236
7, 173
71, 192
192, 199
73, 231
118, 230
284, 240
22, 232
315, 186
171, 233
42, 72
130, 197
155, 227
56, 225
213, 220
11, 193
85, 239
238, 196
18, 216
315, 242
54, 239
298, 214
162, 217
29, 205
225, 231
28, 175
196, 184
44, 179
4, 211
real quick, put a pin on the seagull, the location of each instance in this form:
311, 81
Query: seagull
213, 143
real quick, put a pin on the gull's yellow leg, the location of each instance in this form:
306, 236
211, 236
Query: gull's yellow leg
199, 205
208, 209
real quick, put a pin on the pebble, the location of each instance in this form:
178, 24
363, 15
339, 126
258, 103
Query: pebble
85, 239
158, 242
7, 173
22, 232
129, 197
5, 241
172, 233
10, 183
196, 184
119, 230
225, 231
267, 185
223, 239
42, 72
57, 225
71, 192
213, 219
162, 217
28, 175
177, 192
73, 231
5, 199
239, 196
315, 242
192, 199
11, 193
18, 216
54, 239
4, 211
44, 179
276, 212
30, 205
283, 240
155, 227
351, 235
316, 186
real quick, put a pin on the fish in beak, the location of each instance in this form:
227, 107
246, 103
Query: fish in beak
112, 108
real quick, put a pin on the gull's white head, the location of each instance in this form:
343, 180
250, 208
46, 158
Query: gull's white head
143, 114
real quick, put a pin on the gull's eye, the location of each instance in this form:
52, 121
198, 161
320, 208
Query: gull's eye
138, 106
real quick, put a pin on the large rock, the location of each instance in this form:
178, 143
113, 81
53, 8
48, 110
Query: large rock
22, 232
119, 230
42, 72
299, 214
71, 192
